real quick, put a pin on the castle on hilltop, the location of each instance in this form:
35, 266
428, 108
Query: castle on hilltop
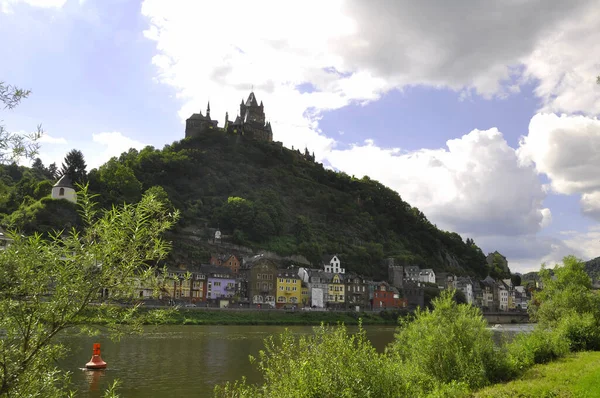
250, 122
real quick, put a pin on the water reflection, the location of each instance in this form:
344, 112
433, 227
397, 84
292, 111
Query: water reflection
188, 361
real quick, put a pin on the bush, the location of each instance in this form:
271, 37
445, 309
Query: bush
449, 343
580, 331
539, 346
328, 363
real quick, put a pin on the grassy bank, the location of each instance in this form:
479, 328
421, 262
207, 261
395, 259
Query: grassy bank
577, 375
258, 317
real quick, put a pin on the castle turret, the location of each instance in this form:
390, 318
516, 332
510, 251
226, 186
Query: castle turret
208, 110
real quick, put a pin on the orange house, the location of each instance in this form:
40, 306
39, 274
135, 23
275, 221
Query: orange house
226, 260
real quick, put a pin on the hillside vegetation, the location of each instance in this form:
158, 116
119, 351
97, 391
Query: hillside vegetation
260, 195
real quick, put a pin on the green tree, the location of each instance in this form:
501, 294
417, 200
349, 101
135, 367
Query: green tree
118, 183
263, 226
52, 171
237, 213
48, 284
565, 291
74, 166
515, 279
14, 146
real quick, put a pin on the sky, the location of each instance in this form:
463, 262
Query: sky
481, 114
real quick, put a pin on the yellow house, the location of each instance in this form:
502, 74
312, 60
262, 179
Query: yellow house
289, 290
335, 292
305, 295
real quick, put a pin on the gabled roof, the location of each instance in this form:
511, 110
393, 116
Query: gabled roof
64, 182
326, 258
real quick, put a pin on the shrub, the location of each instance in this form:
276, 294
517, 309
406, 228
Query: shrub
449, 343
539, 346
580, 331
328, 363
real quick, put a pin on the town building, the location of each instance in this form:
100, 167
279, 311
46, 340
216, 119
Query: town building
317, 282
262, 282
289, 289
411, 273
465, 285
332, 264
220, 283
63, 189
357, 292
387, 297
427, 276
226, 260
335, 290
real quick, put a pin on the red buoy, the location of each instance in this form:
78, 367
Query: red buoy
96, 362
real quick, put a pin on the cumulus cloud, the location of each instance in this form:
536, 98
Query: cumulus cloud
476, 186
111, 144
567, 150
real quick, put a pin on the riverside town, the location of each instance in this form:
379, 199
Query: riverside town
311, 199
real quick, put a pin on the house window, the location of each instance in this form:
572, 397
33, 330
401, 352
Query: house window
281, 299
61, 192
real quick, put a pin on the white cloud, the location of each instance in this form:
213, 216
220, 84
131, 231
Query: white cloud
48, 139
475, 187
6, 6
567, 150
111, 144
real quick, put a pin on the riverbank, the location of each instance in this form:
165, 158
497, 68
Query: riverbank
185, 316
574, 376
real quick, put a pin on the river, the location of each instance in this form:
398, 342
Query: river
186, 361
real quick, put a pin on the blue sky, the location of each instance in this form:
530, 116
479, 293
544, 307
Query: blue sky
483, 117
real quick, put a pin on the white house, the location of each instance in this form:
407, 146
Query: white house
503, 295
332, 264
317, 285
63, 189
427, 275
465, 285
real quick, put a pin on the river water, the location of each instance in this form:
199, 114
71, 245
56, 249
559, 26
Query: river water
187, 361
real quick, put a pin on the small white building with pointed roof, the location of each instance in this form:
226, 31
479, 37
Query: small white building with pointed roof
63, 189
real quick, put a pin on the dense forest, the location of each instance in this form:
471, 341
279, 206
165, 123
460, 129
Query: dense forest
260, 195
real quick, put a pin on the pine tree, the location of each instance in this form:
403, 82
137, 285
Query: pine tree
74, 166
38, 165
52, 171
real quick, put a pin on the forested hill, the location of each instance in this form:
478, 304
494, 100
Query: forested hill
260, 195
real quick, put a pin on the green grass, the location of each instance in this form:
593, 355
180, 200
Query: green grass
577, 376
250, 317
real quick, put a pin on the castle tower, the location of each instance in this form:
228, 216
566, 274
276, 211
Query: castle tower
208, 110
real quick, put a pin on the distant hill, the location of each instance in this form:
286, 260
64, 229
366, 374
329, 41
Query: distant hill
265, 196
592, 267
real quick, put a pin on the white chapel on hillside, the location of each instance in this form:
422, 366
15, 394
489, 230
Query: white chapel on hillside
63, 189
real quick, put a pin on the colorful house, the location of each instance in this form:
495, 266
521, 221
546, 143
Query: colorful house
289, 289
220, 282
335, 291
226, 260
386, 296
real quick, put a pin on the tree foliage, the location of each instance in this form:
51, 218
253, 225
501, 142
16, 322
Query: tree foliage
48, 283
15, 146
74, 166
565, 291
269, 197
